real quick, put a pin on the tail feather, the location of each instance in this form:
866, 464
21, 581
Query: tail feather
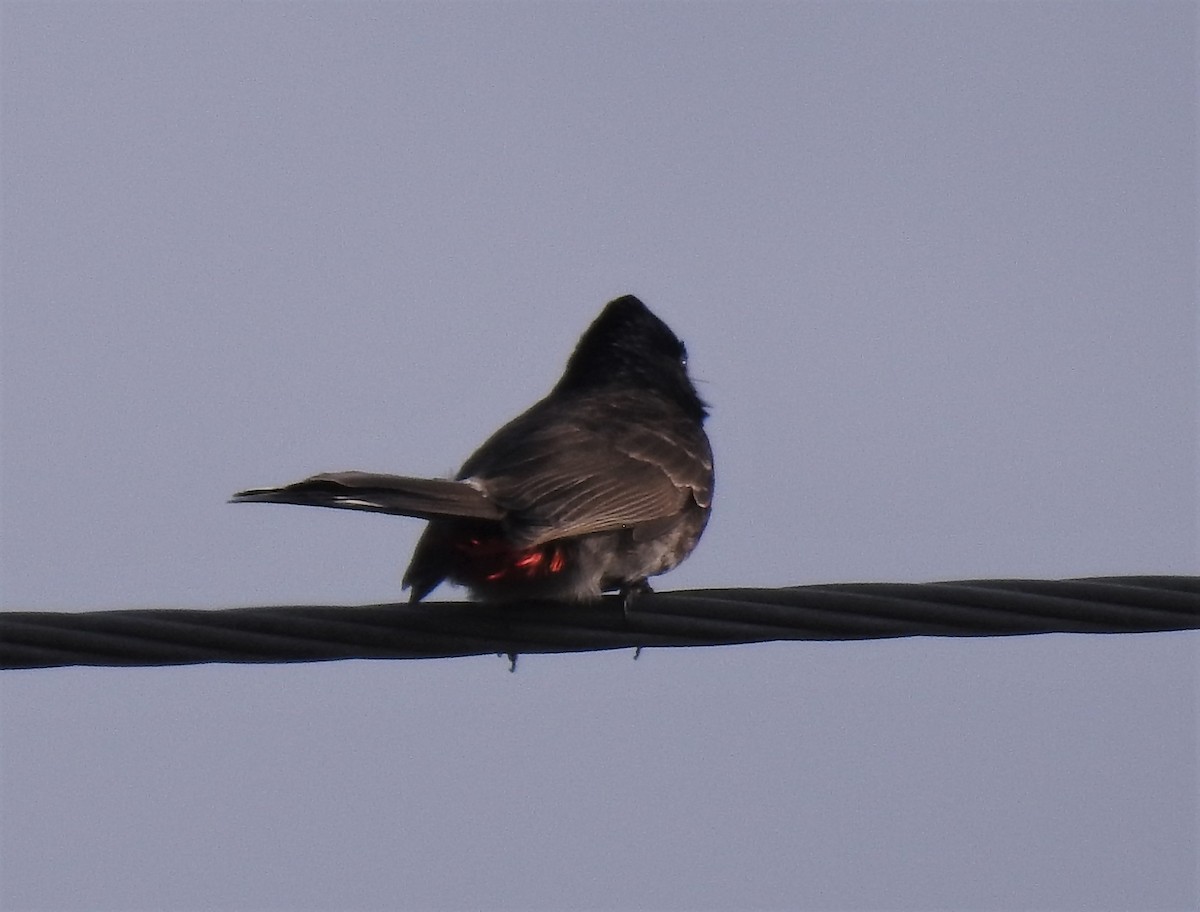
425, 498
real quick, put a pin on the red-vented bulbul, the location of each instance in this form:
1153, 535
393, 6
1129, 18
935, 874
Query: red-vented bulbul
605, 482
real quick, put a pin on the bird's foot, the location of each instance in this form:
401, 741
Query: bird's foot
628, 595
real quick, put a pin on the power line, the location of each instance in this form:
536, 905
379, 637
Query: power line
706, 617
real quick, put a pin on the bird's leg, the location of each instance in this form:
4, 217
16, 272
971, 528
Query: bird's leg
628, 594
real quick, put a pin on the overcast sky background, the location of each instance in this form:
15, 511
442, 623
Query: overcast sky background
935, 265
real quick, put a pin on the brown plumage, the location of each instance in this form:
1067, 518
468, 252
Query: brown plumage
605, 482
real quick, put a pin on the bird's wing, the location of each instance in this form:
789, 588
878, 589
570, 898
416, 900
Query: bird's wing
561, 475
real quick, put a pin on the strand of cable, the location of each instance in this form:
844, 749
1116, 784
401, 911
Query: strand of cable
712, 617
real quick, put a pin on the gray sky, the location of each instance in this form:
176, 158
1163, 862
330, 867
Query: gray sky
936, 268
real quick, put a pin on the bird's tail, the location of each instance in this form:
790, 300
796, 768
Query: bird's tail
426, 498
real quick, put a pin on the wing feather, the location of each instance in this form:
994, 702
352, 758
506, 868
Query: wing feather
620, 463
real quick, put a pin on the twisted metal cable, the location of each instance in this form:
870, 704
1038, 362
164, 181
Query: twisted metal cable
706, 617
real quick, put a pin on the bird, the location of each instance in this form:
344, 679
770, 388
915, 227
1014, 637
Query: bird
605, 482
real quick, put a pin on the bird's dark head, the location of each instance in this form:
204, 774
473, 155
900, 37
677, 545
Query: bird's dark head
627, 345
